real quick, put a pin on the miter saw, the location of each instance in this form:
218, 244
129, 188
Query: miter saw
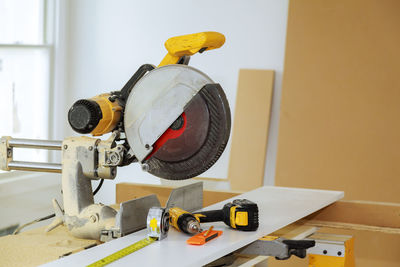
172, 119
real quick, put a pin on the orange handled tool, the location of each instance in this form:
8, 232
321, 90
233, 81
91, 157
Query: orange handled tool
204, 237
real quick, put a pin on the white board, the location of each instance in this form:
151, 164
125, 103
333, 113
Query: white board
278, 207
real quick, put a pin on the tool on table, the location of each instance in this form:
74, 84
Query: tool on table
157, 229
184, 221
157, 223
240, 214
278, 247
204, 237
171, 119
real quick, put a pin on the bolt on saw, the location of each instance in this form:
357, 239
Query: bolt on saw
172, 119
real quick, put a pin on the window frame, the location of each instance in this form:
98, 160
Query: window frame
51, 37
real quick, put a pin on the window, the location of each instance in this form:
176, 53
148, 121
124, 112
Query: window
25, 72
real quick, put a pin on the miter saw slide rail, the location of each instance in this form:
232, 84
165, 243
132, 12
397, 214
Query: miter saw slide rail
6, 154
34, 143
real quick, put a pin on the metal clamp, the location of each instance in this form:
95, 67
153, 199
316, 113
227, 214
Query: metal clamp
280, 248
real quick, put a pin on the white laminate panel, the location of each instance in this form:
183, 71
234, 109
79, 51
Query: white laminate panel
278, 207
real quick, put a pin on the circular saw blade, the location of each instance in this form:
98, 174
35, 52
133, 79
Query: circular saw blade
205, 136
188, 136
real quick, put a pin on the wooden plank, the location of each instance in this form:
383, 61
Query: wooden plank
278, 207
376, 214
295, 231
128, 191
250, 129
351, 226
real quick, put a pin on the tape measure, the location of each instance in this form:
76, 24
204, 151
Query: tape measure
123, 252
157, 229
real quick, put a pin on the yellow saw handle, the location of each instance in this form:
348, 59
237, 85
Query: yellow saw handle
190, 44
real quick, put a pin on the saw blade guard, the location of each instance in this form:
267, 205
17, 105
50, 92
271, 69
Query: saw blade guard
165, 100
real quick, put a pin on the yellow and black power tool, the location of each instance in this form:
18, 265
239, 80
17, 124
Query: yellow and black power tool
240, 214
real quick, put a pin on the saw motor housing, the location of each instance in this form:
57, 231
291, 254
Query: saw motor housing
98, 115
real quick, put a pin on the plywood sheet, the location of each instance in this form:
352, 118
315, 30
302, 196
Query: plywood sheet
339, 119
250, 129
278, 207
376, 214
128, 191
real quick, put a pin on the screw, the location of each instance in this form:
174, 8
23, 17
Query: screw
145, 167
65, 146
93, 218
108, 161
114, 158
90, 148
147, 146
325, 251
178, 123
339, 253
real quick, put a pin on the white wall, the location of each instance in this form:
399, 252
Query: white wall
26, 196
109, 40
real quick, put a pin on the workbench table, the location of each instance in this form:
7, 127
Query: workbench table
278, 207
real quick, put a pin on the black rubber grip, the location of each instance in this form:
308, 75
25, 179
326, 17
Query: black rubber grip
211, 216
299, 244
134, 79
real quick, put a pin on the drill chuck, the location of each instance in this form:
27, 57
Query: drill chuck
184, 221
191, 226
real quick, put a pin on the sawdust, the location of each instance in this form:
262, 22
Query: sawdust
35, 247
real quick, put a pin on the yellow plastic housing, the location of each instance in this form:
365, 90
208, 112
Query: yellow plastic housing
111, 114
332, 261
174, 214
190, 44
